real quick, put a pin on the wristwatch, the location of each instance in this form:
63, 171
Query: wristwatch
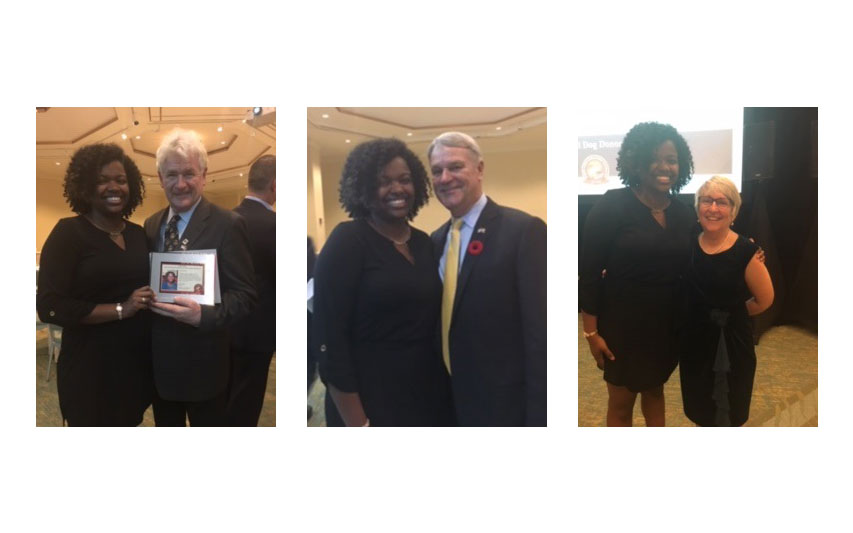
118, 310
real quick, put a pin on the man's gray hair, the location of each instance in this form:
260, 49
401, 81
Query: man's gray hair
184, 143
455, 139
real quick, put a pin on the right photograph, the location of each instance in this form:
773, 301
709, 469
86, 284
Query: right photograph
698, 267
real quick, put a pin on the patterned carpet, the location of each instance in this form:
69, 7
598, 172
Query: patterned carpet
316, 400
47, 400
784, 393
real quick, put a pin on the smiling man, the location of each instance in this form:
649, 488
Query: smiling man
190, 347
493, 265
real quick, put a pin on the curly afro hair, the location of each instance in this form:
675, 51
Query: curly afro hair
360, 177
82, 175
638, 152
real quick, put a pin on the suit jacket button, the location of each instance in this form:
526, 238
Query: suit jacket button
52, 313
322, 347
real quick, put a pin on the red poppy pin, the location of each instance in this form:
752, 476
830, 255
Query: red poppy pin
475, 247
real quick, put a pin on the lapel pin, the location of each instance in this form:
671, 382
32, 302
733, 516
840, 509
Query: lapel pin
481, 230
475, 247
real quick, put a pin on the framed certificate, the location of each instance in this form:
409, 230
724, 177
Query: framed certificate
189, 274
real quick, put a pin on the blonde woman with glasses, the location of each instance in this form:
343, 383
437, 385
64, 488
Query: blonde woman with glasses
726, 283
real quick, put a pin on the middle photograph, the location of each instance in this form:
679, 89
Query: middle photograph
427, 253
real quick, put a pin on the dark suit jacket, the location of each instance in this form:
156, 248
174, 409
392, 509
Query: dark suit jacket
498, 329
191, 364
256, 332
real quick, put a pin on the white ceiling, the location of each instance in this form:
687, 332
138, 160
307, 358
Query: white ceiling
60, 131
502, 128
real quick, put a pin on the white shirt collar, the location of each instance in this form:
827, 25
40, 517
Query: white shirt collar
470, 218
255, 198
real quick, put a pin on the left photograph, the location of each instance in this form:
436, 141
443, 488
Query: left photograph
155, 266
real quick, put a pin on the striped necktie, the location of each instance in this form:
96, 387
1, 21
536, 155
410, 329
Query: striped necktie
451, 268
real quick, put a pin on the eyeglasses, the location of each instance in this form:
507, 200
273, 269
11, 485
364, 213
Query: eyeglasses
722, 203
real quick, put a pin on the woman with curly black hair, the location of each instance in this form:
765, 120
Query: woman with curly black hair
377, 298
93, 278
635, 245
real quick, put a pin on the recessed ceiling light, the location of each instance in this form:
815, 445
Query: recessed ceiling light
347, 141
124, 136
58, 163
325, 115
219, 128
241, 174
138, 137
409, 134
498, 128
221, 142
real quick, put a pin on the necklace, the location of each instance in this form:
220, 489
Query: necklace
646, 202
720, 247
395, 241
113, 234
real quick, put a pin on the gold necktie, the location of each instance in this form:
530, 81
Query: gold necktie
451, 268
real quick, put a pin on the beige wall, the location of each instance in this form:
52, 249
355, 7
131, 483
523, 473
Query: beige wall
331, 167
316, 217
514, 179
50, 207
226, 199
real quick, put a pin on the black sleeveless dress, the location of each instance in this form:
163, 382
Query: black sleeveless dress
717, 355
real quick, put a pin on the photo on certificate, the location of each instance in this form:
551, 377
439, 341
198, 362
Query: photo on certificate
186, 274
182, 278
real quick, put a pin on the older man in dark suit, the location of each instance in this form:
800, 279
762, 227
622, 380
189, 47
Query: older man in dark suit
493, 265
253, 338
190, 347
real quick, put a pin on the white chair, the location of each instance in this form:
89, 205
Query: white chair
54, 343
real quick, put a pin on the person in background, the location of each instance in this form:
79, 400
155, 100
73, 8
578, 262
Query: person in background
312, 357
253, 338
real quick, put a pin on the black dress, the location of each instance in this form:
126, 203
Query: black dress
717, 359
104, 375
376, 319
636, 302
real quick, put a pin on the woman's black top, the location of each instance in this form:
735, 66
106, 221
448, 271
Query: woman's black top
104, 374
376, 320
636, 301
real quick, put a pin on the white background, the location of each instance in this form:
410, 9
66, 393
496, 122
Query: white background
292, 478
